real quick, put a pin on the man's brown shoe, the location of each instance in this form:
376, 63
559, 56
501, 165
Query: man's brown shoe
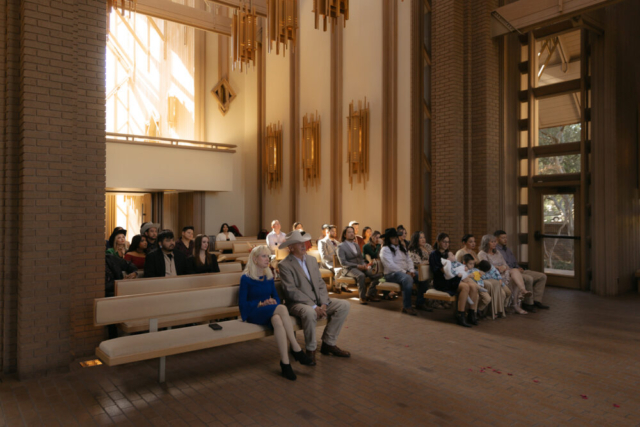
346, 290
312, 356
337, 290
363, 301
410, 311
373, 299
333, 350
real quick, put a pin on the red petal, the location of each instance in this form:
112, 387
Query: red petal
536, 381
406, 346
386, 338
488, 367
615, 405
510, 375
470, 370
584, 396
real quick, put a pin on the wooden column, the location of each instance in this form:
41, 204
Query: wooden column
389, 113
336, 124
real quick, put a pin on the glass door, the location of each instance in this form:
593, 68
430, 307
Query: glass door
559, 238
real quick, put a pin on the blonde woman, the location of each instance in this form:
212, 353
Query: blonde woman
259, 304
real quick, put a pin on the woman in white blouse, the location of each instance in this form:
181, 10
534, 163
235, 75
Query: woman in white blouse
225, 234
398, 267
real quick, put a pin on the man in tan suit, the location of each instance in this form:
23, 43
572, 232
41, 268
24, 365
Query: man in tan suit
306, 296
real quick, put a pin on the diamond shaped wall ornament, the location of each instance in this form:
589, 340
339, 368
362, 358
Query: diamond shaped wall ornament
224, 94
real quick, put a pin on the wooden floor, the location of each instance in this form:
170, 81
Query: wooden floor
576, 364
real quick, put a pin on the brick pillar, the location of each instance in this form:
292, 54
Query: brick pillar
52, 82
466, 119
447, 102
9, 189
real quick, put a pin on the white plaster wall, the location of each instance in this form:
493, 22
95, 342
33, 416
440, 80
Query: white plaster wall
277, 202
362, 76
229, 206
315, 95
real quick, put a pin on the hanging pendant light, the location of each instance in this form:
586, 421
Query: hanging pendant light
244, 29
282, 24
330, 9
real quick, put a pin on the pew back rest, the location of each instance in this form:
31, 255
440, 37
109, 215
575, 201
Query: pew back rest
167, 284
230, 267
223, 246
112, 310
242, 248
316, 254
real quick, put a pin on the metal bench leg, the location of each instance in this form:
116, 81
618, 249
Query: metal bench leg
161, 369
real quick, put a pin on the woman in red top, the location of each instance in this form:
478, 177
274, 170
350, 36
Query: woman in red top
136, 253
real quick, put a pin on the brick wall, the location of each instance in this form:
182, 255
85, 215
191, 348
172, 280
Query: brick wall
466, 119
55, 123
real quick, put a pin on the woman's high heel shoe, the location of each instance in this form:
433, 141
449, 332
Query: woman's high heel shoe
287, 371
302, 357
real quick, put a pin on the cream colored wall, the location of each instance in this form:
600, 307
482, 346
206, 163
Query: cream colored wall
315, 95
229, 206
404, 115
362, 76
157, 168
277, 202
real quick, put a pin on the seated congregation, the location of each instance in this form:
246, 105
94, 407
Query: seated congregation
283, 283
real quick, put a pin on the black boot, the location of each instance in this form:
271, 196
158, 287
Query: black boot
472, 317
460, 319
287, 371
302, 357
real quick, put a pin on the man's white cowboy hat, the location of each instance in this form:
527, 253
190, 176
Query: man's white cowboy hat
293, 237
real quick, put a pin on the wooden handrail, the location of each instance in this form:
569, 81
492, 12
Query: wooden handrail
124, 138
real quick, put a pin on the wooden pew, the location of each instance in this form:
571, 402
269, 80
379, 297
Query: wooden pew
350, 281
172, 284
150, 308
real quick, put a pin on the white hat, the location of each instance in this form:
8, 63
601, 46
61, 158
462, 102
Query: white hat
352, 223
147, 226
294, 237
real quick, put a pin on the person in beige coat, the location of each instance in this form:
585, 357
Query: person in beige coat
306, 297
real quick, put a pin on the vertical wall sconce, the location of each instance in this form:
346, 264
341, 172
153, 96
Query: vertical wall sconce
282, 23
273, 156
244, 29
358, 156
310, 150
330, 9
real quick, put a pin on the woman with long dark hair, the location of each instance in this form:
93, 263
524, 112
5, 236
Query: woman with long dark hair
202, 261
137, 251
225, 235
466, 288
366, 235
398, 267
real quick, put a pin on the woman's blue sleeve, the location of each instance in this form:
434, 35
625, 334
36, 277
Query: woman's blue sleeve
274, 292
244, 304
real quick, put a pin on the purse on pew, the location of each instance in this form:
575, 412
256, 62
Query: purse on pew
424, 273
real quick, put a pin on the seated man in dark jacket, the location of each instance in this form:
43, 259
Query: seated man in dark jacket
165, 261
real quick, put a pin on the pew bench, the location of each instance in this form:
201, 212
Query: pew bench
172, 284
157, 344
350, 281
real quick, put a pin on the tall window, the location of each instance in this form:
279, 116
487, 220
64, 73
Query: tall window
150, 76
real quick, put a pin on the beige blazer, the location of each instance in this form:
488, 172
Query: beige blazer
297, 288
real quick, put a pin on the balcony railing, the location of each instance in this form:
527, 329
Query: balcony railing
122, 138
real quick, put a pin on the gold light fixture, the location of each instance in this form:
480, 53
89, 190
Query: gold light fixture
330, 9
282, 23
273, 156
358, 156
244, 30
311, 150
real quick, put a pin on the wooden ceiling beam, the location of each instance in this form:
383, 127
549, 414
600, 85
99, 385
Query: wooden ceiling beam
260, 5
180, 14
527, 15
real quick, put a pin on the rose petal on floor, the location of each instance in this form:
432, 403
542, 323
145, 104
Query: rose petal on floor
536, 381
584, 396
510, 375
386, 338
615, 405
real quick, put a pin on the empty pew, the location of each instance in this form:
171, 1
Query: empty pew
172, 284
150, 308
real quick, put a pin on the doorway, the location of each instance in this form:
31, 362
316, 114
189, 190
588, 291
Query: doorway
557, 236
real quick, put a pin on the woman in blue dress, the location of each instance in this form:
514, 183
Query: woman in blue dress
260, 304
